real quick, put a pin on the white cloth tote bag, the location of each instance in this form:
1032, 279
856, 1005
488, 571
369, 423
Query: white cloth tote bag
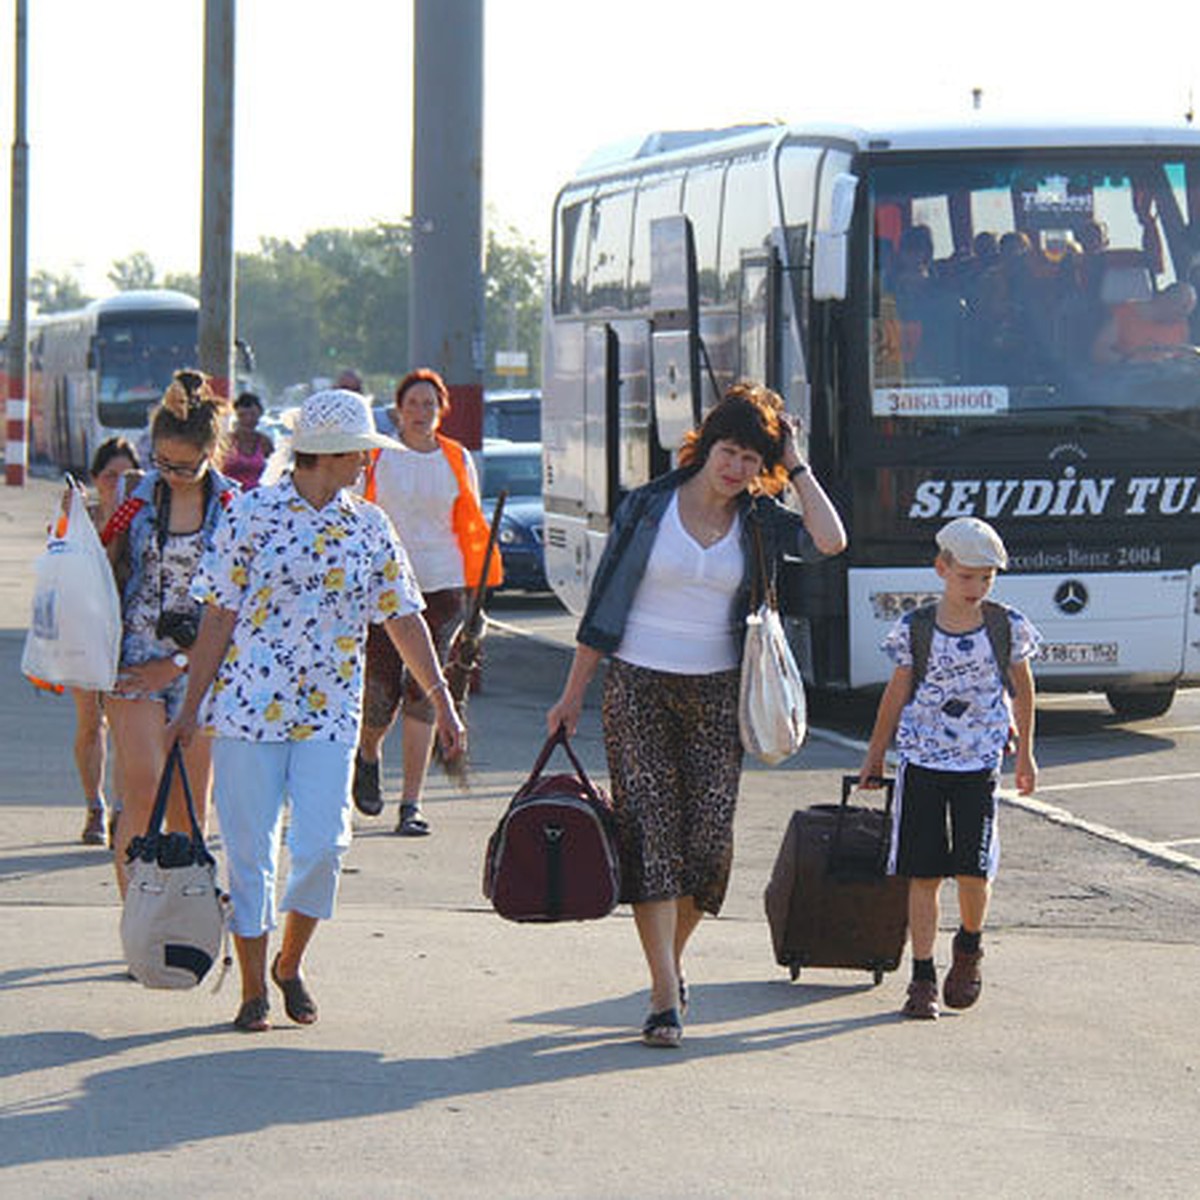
772, 711
74, 638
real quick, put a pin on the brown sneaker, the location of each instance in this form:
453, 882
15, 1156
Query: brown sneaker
93, 831
922, 1002
964, 981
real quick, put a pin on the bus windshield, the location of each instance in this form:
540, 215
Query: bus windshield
135, 359
1019, 290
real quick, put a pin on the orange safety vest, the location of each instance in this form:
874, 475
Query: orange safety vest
471, 529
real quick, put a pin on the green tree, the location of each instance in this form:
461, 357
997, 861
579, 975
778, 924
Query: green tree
136, 271
56, 293
513, 280
183, 281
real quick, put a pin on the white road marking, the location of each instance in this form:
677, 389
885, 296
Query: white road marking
1100, 783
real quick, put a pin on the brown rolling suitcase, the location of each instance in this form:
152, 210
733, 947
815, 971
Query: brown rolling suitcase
830, 901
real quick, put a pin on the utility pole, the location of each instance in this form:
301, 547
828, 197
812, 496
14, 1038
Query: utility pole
446, 304
216, 337
16, 407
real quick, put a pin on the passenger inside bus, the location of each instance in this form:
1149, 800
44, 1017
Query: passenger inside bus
1152, 330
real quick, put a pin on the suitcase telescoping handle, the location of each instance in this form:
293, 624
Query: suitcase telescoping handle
849, 786
556, 739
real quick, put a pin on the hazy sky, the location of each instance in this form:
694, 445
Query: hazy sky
324, 98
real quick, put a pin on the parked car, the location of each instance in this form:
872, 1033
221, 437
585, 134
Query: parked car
513, 415
517, 468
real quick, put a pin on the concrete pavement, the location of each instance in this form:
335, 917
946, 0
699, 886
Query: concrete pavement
459, 1055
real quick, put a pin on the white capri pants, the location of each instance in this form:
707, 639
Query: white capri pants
252, 784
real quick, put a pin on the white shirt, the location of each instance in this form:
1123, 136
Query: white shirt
679, 619
417, 490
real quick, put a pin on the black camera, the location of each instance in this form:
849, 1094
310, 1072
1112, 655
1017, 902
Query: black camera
180, 627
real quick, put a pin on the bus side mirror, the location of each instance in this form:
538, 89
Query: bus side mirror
831, 245
675, 330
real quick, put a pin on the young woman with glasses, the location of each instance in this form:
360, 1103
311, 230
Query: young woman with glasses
155, 541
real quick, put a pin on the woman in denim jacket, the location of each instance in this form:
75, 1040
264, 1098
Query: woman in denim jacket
668, 605
155, 541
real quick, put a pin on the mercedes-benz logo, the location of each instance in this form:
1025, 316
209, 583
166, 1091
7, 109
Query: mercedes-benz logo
1071, 597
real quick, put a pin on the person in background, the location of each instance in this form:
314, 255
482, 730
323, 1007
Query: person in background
155, 540
113, 458
668, 605
293, 578
951, 731
428, 486
248, 449
349, 380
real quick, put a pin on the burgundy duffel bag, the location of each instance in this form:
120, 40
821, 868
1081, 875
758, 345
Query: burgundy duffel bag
553, 856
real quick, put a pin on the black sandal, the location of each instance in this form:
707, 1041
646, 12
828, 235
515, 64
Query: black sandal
663, 1029
412, 822
252, 1016
297, 999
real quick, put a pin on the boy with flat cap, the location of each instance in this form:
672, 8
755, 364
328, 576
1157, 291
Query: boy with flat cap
948, 708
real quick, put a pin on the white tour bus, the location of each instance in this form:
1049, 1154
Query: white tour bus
971, 321
96, 372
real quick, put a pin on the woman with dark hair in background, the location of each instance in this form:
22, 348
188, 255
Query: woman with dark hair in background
113, 458
248, 449
668, 606
155, 541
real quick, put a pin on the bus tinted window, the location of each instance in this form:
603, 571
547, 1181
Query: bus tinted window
608, 261
744, 220
1005, 290
570, 267
657, 197
702, 191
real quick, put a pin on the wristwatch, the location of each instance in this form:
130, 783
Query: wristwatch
801, 468
181, 661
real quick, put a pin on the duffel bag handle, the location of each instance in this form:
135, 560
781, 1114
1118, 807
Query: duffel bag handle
556, 739
159, 811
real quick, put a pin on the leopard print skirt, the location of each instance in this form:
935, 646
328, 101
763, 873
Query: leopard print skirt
675, 760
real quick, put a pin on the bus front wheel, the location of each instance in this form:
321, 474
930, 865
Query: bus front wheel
1138, 706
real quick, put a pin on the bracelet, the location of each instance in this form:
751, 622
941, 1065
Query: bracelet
801, 468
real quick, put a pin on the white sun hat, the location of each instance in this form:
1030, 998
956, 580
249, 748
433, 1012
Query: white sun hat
974, 543
337, 421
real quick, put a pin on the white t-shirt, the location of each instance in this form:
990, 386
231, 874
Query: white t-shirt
958, 718
417, 490
679, 619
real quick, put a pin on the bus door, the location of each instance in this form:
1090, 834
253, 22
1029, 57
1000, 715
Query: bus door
601, 440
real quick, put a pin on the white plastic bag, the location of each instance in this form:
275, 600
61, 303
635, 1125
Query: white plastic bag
74, 638
772, 712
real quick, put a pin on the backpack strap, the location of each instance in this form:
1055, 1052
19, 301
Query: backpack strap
999, 631
920, 639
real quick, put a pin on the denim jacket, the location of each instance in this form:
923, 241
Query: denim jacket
635, 526
143, 527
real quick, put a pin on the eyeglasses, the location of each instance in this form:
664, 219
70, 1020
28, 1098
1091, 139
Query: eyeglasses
180, 470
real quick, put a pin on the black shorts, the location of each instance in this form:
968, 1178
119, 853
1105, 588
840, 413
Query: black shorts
945, 823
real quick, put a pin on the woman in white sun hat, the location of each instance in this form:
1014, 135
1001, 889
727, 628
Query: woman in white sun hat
295, 575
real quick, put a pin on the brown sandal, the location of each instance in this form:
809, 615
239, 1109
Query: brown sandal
252, 1016
297, 999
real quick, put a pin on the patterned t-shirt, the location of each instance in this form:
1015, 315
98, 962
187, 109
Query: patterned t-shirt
959, 715
305, 583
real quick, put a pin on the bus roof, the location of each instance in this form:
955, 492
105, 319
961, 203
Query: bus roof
144, 300
683, 146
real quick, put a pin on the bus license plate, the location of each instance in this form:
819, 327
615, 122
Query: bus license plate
1079, 652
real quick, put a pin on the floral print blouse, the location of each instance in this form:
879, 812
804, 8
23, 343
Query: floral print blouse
305, 584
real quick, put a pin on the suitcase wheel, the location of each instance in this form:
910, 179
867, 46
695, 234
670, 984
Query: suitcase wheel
794, 971
877, 973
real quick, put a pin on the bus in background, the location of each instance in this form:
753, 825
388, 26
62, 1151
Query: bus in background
96, 372
997, 322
